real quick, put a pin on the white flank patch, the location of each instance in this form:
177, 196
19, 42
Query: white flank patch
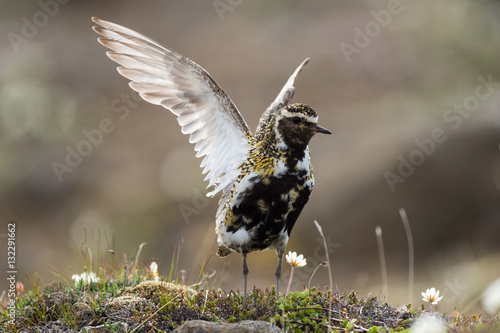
305, 163
239, 237
234, 240
281, 168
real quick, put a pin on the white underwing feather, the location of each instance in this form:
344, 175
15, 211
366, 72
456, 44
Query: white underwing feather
204, 111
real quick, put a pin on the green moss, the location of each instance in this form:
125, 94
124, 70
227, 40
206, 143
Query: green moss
124, 306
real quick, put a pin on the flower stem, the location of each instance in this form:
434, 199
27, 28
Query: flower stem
289, 281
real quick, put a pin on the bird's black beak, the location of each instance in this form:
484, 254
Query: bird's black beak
319, 129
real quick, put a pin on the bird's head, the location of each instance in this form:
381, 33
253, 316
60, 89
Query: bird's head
295, 125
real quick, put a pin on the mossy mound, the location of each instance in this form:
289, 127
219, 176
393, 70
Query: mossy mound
149, 306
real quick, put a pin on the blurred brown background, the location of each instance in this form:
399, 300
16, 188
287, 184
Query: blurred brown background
383, 77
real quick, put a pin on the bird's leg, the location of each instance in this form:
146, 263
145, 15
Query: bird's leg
245, 273
278, 272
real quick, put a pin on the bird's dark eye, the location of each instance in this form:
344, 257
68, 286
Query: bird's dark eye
296, 120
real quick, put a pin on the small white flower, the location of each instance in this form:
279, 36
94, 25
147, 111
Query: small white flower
294, 260
431, 296
491, 297
86, 278
76, 278
153, 268
428, 324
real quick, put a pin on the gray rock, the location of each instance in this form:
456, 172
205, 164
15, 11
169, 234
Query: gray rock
200, 326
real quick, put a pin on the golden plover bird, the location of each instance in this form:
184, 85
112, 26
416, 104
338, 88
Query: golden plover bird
265, 179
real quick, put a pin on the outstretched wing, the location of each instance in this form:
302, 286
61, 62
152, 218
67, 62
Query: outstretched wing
203, 109
284, 97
